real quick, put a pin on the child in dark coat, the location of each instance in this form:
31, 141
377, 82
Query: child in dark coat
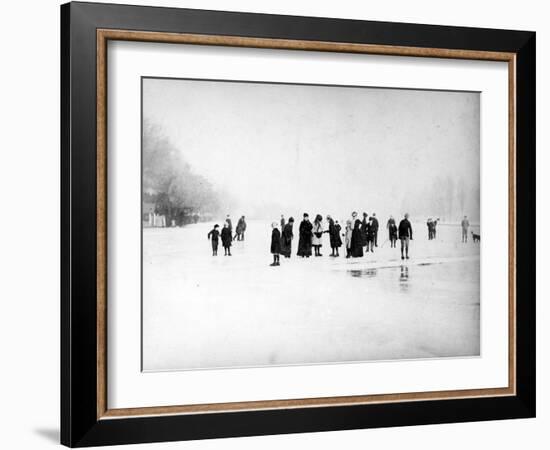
275, 244
392, 228
226, 239
214, 235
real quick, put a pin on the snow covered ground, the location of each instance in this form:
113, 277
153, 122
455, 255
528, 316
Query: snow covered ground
201, 311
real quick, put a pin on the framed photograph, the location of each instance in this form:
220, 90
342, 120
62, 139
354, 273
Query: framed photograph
277, 224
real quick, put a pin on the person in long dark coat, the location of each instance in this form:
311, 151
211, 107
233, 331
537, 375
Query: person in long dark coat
226, 239
356, 240
275, 244
375, 227
283, 223
370, 235
304, 243
286, 238
334, 234
364, 226
214, 235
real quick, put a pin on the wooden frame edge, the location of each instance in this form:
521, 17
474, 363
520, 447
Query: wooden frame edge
101, 223
103, 35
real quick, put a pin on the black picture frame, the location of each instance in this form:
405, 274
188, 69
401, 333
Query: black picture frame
80, 425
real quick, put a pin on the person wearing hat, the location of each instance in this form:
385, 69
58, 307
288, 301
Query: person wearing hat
214, 235
405, 234
356, 240
305, 233
227, 237
334, 235
286, 238
347, 238
275, 244
317, 238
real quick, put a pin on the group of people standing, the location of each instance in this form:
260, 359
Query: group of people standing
361, 233
360, 236
432, 228
226, 235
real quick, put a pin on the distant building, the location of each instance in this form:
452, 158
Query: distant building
150, 218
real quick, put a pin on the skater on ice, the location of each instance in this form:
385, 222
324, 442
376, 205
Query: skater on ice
213, 235
356, 241
429, 224
286, 238
364, 227
226, 239
334, 235
304, 242
241, 228
405, 235
465, 225
229, 224
347, 238
317, 239
392, 232
434, 228
275, 244
370, 235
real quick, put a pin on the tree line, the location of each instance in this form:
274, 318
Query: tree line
170, 183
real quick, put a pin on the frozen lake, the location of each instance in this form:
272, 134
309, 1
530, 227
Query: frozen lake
201, 311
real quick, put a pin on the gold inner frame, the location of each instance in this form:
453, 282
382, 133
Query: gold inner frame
104, 35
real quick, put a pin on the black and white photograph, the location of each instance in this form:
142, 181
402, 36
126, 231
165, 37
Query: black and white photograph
295, 224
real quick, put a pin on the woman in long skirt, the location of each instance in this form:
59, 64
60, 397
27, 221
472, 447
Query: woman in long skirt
226, 239
304, 243
334, 234
286, 238
357, 240
317, 239
371, 233
347, 238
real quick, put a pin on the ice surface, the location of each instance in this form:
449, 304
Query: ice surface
201, 311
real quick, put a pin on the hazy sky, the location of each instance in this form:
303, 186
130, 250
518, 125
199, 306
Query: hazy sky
320, 148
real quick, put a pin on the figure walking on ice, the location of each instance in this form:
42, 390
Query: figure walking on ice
286, 238
356, 240
213, 235
317, 238
241, 228
465, 225
275, 244
405, 234
304, 242
334, 235
226, 239
347, 238
392, 231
